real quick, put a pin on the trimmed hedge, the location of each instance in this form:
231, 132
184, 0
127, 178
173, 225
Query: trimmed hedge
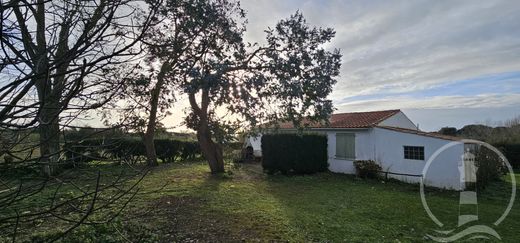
294, 154
129, 150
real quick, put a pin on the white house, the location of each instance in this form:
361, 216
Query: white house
393, 140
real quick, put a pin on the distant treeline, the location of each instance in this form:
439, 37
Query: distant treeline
76, 134
128, 150
505, 138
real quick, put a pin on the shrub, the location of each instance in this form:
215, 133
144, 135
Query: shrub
293, 153
168, 150
490, 167
367, 168
77, 153
511, 151
190, 150
129, 150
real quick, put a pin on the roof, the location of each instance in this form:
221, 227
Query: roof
421, 133
349, 120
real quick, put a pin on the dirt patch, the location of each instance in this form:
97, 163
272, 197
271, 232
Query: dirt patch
248, 172
187, 219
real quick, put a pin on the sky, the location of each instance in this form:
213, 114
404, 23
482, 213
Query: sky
444, 63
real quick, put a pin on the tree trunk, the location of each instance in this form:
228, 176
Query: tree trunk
151, 155
49, 130
211, 151
148, 139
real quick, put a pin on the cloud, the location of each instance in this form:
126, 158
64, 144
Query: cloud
435, 102
403, 46
457, 58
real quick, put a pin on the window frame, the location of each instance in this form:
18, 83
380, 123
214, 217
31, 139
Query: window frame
411, 152
347, 134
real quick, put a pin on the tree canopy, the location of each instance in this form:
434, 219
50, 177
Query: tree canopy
200, 48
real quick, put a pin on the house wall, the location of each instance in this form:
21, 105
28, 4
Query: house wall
364, 149
256, 143
399, 120
443, 170
387, 147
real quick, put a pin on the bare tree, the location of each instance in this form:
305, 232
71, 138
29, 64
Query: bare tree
56, 61
60, 60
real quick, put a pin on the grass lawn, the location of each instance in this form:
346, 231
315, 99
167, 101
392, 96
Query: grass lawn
246, 204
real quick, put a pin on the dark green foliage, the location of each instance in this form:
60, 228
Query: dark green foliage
128, 150
511, 151
479, 132
490, 167
81, 152
168, 150
506, 138
289, 76
492, 135
293, 153
367, 168
450, 131
190, 150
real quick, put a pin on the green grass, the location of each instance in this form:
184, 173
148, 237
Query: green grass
249, 205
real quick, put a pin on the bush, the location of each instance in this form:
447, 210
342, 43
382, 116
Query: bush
190, 150
128, 150
168, 150
292, 153
82, 152
367, 168
490, 167
512, 153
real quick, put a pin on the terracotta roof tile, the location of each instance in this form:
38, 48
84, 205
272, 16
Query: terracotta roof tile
350, 120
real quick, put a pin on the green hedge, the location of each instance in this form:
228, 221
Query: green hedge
294, 154
130, 150
511, 151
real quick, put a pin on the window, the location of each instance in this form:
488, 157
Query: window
414, 152
345, 145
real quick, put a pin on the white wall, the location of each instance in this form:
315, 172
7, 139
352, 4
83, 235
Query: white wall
364, 149
443, 171
387, 147
256, 143
399, 120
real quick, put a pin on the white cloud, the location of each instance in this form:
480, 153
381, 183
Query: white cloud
436, 102
403, 46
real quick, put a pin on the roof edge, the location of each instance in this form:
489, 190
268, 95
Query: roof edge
421, 133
